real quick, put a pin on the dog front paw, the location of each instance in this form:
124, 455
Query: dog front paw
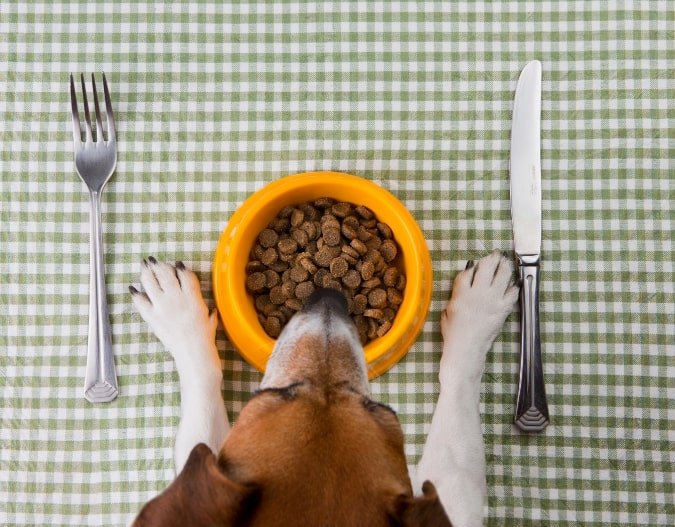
483, 295
173, 306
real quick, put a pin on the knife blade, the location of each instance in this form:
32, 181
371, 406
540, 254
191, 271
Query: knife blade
531, 412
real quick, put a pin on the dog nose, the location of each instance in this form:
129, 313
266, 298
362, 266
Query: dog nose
329, 299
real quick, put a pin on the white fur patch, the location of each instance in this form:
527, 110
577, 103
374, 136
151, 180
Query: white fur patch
279, 370
453, 457
173, 307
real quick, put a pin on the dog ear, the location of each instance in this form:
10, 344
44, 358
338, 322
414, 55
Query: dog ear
420, 511
201, 495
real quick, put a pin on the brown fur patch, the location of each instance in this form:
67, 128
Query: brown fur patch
421, 511
201, 495
321, 458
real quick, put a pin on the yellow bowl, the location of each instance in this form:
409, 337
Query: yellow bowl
235, 305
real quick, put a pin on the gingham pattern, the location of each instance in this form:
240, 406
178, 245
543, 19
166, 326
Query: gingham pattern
214, 100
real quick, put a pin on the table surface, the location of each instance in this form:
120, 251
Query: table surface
212, 101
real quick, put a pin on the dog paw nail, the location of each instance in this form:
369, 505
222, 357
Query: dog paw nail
152, 260
180, 265
133, 290
469, 264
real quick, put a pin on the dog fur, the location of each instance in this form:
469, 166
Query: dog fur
311, 447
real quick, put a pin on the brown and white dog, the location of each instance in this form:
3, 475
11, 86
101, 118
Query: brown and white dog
311, 448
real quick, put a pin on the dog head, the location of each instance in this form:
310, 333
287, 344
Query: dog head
310, 448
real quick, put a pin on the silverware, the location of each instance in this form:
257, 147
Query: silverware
95, 163
531, 413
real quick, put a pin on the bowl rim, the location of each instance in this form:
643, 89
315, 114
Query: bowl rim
248, 337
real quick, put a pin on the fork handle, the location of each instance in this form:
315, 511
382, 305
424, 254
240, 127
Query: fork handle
531, 407
100, 382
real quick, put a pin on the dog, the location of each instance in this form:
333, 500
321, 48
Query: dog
311, 447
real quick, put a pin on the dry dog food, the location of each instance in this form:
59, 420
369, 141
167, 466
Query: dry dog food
326, 244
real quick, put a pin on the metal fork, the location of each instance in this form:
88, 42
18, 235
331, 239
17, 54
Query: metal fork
95, 163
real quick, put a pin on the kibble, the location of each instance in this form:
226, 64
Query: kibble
350, 251
297, 217
294, 304
372, 255
369, 224
271, 278
277, 313
280, 225
257, 252
331, 237
384, 327
256, 281
323, 257
273, 326
350, 227
308, 265
277, 295
364, 234
360, 304
310, 230
255, 266
352, 279
350, 259
269, 256
329, 222
288, 312
372, 328
326, 244
304, 290
268, 238
286, 212
377, 314
261, 301
364, 212
286, 258
269, 309
331, 283
309, 210
324, 203
288, 289
394, 296
359, 246
370, 284
341, 210
388, 250
377, 298
319, 277
385, 231
287, 246
301, 237
279, 266
390, 277
299, 274
338, 267
374, 242
367, 270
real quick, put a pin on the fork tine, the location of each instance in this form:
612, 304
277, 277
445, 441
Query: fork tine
108, 107
99, 124
87, 118
77, 134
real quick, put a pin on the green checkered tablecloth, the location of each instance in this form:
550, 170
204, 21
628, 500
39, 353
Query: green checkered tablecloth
214, 100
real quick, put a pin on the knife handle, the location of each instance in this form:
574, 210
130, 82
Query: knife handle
531, 408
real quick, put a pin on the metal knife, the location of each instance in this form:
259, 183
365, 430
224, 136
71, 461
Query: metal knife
531, 413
